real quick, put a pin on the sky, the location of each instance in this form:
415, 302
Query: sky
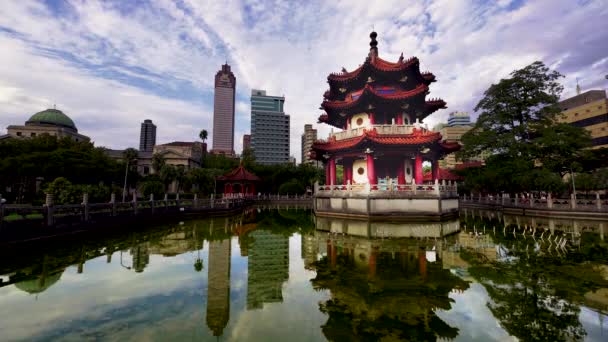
111, 64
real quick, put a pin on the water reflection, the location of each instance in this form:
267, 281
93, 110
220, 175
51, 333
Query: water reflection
277, 274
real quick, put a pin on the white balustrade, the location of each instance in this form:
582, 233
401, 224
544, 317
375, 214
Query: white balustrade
380, 129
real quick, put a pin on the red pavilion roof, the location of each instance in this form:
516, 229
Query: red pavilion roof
378, 64
368, 91
239, 174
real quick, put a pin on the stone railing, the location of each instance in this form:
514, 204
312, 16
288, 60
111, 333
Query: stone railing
443, 189
380, 129
544, 202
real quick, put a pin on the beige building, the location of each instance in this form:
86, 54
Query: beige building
187, 154
50, 121
308, 138
588, 110
458, 124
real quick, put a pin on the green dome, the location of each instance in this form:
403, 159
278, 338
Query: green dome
39, 284
52, 117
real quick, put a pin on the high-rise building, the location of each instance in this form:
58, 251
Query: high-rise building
223, 112
308, 138
246, 141
269, 128
147, 136
218, 286
458, 124
268, 268
459, 119
588, 110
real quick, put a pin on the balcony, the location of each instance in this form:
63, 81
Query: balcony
380, 129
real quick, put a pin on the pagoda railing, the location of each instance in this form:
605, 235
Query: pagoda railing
380, 130
443, 189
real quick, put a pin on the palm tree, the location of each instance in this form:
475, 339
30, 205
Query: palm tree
157, 162
203, 135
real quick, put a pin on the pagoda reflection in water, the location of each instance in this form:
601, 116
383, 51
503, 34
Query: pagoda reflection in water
383, 286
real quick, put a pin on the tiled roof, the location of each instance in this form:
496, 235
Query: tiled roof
378, 64
239, 174
372, 94
417, 138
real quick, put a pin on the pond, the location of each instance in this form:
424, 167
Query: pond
273, 275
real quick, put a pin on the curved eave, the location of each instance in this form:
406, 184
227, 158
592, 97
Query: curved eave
377, 64
432, 106
449, 147
416, 139
371, 95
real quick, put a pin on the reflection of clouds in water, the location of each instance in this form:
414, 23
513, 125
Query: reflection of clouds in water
472, 317
595, 324
70, 297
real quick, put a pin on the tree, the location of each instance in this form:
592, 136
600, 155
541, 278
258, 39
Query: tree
248, 157
203, 135
518, 131
167, 174
158, 161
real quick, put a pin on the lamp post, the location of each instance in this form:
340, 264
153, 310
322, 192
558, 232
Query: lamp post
124, 188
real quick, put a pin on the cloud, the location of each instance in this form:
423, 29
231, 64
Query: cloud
113, 64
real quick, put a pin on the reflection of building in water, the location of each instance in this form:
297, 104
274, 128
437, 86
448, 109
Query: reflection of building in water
268, 268
218, 287
141, 257
174, 244
310, 250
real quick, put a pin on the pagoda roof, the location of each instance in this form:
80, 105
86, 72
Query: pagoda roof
370, 94
419, 137
239, 174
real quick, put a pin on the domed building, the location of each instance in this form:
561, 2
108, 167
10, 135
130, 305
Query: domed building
49, 121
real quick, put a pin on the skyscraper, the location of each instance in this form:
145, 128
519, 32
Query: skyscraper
223, 111
246, 141
218, 286
269, 128
459, 119
308, 138
147, 136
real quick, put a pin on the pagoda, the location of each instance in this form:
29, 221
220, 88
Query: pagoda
381, 143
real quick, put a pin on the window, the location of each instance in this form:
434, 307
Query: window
18, 134
32, 134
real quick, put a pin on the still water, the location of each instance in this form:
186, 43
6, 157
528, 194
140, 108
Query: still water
275, 275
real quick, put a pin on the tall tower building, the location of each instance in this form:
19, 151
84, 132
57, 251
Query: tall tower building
147, 136
308, 138
218, 286
223, 111
459, 119
269, 128
246, 141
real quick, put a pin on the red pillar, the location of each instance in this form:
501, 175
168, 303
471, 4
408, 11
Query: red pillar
327, 174
418, 169
252, 187
372, 119
401, 172
399, 120
332, 171
372, 262
435, 169
422, 263
371, 172
347, 165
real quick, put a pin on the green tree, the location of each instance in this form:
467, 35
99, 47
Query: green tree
167, 174
203, 135
158, 161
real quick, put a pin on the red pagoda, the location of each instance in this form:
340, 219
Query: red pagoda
379, 108
238, 182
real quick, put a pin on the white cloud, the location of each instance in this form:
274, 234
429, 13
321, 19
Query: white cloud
167, 53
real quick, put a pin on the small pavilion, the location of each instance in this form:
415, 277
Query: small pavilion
238, 182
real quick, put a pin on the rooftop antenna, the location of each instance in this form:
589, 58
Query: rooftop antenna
578, 87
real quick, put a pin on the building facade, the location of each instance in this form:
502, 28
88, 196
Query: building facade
147, 136
246, 141
590, 111
223, 111
308, 138
458, 124
51, 122
269, 128
218, 286
181, 153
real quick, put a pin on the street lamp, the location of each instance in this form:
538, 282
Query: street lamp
124, 188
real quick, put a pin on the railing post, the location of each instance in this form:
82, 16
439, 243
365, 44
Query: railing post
195, 201
85, 207
549, 201
113, 203
436, 188
152, 203
211, 201
166, 199
1, 211
48, 203
516, 200
177, 200
572, 202
135, 202
598, 202
531, 199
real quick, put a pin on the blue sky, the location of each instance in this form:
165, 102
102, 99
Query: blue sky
111, 64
